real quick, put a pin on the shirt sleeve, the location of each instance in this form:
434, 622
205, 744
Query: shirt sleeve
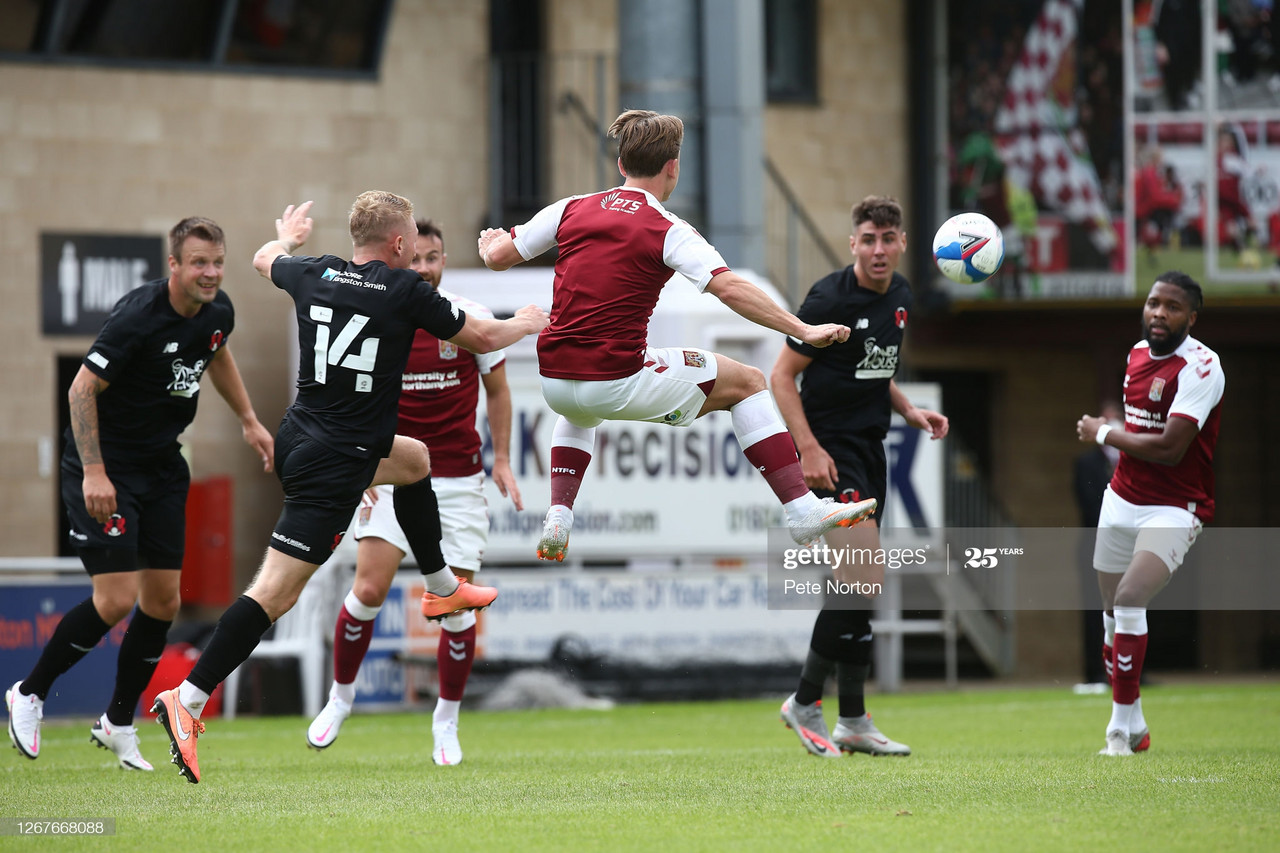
538, 235
431, 311
116, 344
286, 271
485, 361
1200, 385
688, 253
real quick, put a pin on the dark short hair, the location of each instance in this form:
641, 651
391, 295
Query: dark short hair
1189, 286
646, 141
880, 210
199, 227
429, 228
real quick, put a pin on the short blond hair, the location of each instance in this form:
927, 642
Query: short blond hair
377, 215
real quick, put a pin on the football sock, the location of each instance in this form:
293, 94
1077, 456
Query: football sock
234, 638
1137, 722
571, 449
454, 656
1108, 644
839, 636
768, 446
351, 637
442, 583
192, 698
140, 652
1130, 651
446, 710
418, 514
813, 678
76, 635
851, 686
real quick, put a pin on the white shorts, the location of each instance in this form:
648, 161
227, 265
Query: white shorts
1124, 529
464, 520
669, 389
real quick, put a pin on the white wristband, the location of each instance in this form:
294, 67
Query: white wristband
1101, 437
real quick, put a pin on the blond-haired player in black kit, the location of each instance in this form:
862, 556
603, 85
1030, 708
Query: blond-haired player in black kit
356, 324
839, 419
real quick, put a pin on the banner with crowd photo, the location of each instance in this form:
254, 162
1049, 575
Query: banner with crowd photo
1035, 142
1205, 126
1111, 142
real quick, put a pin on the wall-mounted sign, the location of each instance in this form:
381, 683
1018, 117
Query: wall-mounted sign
82, 276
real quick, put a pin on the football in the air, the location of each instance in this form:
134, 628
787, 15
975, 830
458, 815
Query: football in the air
968, 248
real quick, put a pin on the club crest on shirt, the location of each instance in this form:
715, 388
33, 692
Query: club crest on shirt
1157, 389
900, 316
694, 359
448, 350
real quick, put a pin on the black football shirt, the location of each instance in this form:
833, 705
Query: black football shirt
845, 390
356, 324
154, 359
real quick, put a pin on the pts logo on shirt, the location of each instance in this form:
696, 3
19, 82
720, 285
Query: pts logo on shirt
612, 201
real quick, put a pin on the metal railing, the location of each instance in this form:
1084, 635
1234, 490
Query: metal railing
796, 255
548, 120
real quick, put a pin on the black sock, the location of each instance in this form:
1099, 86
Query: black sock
839, 637
851, 679
234, 638
851, 673
139, 654
813, 678
825, 649
418, 513
76, 635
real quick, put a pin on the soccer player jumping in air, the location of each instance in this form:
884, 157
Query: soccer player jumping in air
617, 248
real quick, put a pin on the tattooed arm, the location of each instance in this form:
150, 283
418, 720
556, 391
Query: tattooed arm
99, 492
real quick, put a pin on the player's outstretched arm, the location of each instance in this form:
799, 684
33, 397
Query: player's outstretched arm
747, 300
484, 334
292, 230
498, 250
226, 379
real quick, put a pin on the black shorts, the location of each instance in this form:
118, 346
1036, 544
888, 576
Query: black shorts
861, 470
322, 489
148, 530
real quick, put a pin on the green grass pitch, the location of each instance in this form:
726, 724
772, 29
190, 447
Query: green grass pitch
992, 770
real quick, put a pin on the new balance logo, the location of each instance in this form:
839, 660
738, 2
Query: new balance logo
862, 323
172, 346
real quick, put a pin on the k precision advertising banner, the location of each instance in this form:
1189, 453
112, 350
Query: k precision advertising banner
1038, 568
